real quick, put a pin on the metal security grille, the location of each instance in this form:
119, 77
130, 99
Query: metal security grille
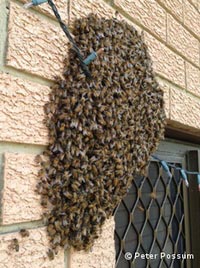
150, 219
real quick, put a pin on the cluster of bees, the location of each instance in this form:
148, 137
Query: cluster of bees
101, 131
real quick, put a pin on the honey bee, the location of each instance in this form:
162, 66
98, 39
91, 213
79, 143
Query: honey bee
50, 254
14, 245
24, 233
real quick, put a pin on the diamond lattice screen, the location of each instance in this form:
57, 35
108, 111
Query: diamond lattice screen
150, 219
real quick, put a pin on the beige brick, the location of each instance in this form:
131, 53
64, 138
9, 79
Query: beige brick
21, 110
102, 254
174, 6
185, 108
192, 18
38, 47
32, 251
166, 62
186, 44
84, 8
46, 9
20, 202
193, 79
194, 2
79, 9
148, 13
34, 45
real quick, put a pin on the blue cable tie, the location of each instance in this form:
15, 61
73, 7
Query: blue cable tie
183, 172
34, 3
165, 168
184, 177
38, 2
90, 58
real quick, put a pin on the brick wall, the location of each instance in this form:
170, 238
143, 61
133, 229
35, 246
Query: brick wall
32, 49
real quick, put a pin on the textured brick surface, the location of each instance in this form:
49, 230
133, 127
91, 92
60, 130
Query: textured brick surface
193, 79
174, 6
84, 8
185, 108
186, 44
21, 110
149, 13
194, 2
20, 202
192, 18
35, 46
31, 254
39, 47
78, 8
102, 254
166, 62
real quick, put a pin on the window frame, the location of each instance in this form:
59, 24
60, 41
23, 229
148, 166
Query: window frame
178, 151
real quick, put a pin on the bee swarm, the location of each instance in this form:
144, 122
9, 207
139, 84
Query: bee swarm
101, 131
